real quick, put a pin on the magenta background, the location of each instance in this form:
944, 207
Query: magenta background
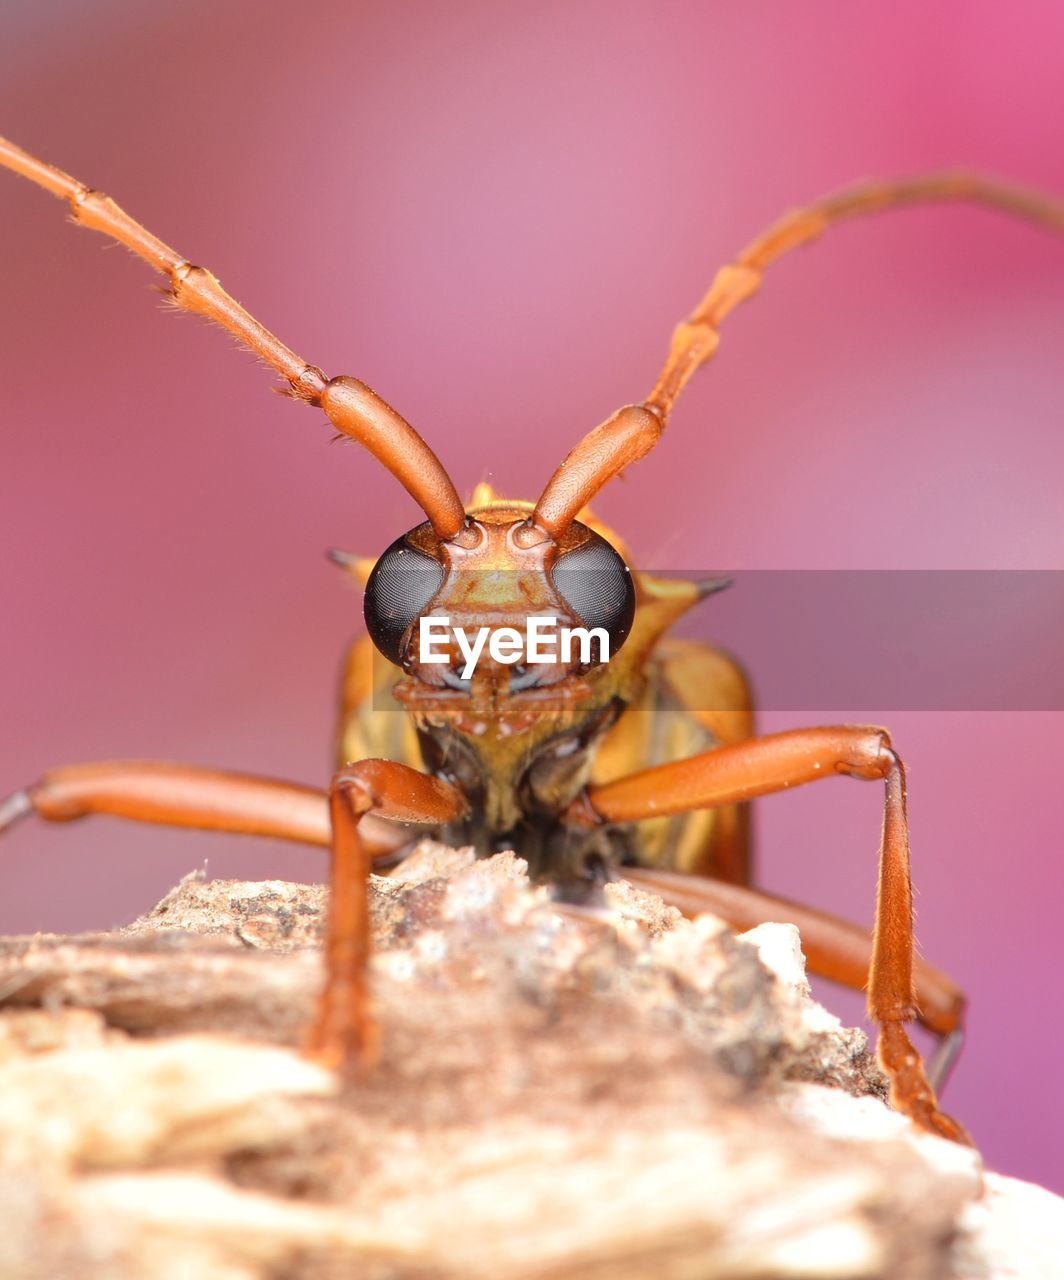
495, 214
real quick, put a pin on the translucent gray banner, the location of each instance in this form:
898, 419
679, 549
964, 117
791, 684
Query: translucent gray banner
903, 640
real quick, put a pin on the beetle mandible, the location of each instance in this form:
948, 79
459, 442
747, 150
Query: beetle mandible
547, 758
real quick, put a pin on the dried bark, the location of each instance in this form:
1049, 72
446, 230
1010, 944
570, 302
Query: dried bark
557, 1096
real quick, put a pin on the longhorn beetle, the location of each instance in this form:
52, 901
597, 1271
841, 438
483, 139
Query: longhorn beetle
549, 759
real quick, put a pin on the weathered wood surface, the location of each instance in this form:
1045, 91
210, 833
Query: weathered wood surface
625, 1097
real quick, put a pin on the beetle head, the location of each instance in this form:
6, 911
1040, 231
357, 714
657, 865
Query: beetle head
500, 573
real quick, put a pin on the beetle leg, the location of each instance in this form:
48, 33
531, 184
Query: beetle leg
775, 763
834, 948
344, 1030
944, 1058
356, 820
175, 795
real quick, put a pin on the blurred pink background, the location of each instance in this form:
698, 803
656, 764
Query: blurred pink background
495, 215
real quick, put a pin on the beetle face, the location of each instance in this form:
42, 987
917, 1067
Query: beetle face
493, 610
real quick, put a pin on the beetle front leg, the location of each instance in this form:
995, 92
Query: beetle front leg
775, 763
356, 820
344, 1031
183, 795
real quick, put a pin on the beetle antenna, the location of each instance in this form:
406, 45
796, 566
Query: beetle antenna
351, 406
634, 430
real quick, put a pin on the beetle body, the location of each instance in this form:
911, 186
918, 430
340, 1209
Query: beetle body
524, 755
591, 764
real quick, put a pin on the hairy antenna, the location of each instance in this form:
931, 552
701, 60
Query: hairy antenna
350, 405
634, 430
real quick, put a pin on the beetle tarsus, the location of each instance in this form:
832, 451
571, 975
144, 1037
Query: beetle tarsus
13, 808
944, 1058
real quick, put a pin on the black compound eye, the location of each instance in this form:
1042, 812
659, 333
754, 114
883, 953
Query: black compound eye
399, 589
597, 585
